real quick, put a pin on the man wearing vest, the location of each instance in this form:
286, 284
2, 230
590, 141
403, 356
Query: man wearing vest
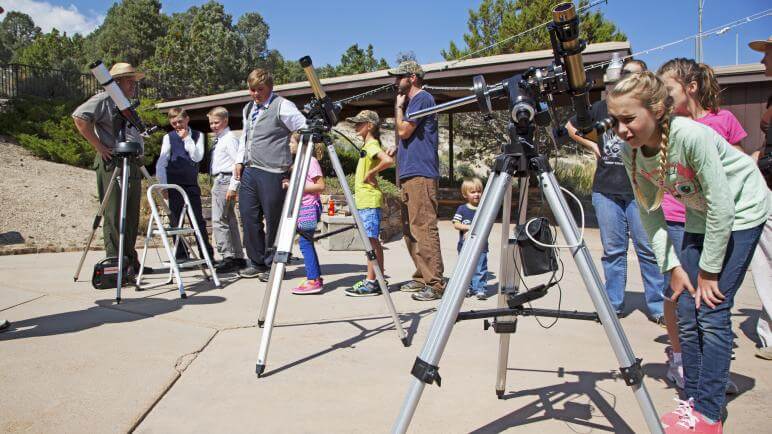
97, 120
264, 159
181, 151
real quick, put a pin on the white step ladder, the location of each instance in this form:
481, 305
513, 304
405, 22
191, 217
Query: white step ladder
155, 227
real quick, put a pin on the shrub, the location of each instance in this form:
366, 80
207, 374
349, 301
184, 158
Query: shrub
576, 176
45, 127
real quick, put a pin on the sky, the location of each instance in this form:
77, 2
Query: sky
324, 29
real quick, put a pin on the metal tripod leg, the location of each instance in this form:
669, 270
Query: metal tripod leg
287, 230
100, 215
509, 283
629, 365
122, 226
369, 252
97, 220
425, 369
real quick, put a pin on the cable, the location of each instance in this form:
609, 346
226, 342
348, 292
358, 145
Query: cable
560, 246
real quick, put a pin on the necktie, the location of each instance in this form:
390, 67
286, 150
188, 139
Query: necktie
211, 154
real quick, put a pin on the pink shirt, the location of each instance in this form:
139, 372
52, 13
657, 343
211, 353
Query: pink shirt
314, 171
725, 124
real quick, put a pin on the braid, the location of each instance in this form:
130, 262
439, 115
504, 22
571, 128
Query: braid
651, 91
663, 163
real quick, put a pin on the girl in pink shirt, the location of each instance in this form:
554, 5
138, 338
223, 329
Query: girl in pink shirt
695, 93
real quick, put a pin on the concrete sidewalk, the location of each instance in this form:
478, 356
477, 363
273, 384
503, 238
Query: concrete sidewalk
73, 361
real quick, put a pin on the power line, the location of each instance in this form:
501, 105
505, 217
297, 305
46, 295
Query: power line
718, 30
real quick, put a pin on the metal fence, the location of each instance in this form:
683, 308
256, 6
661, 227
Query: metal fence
25, 80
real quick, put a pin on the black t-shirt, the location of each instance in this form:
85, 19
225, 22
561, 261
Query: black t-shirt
610, 174
464, 215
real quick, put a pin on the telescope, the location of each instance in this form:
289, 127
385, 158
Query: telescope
126, 108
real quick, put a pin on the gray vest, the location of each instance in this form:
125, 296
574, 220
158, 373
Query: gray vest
267, 139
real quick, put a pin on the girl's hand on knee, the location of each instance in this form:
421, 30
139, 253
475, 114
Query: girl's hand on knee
679, 281
707, 290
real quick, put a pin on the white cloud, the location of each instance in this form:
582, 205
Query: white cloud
47, 16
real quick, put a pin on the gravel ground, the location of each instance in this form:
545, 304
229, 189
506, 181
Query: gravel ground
46, 203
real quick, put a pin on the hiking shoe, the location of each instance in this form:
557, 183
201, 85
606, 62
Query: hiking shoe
482, 295
675, 368
227, 265
313, 286
428, 294
249, 272
364, 288
412, 286
764, 353
264, 276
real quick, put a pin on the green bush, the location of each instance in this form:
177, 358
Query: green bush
45, 127
576, 176
333, 186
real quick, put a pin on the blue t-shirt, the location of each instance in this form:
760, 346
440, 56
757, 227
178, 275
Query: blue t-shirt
417, 155
464, 215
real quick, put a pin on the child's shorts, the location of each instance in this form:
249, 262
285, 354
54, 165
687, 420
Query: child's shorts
371, 219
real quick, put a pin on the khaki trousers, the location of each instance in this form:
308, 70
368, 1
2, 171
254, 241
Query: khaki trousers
419, 226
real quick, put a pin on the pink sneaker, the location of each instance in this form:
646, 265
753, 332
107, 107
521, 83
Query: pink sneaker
672, 418
689, 421
309, 287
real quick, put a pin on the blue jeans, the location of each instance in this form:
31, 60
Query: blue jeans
675, 231
619, 220
705, 333
479, 282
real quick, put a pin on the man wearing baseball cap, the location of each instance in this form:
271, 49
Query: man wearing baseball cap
761, 264
418, 171
98, 122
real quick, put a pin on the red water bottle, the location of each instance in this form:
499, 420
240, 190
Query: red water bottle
331, 207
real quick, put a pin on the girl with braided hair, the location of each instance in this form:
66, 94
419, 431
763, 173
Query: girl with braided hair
695, 93
726, 203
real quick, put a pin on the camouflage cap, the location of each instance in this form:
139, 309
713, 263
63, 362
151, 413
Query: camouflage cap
365, 116
406, 68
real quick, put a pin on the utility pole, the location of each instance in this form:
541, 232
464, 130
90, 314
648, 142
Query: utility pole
698, 42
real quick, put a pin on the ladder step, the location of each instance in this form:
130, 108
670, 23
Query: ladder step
175, 231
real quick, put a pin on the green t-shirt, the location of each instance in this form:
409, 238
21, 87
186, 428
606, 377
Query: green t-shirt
721, 187
366, 195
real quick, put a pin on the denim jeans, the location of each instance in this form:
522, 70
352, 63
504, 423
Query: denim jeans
675, 231
479, 282
619, 220
705, 333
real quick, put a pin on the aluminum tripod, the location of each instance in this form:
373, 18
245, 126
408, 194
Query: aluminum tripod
288, 230
508, 165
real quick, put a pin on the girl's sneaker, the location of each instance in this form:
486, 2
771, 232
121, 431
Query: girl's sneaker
312, 286
685, 419
675, 369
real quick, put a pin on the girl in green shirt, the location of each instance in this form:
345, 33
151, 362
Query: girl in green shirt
726, 203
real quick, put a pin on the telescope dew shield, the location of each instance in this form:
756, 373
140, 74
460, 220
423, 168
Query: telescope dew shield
565, 25
108, 83
105, 79
330, 109
313, 79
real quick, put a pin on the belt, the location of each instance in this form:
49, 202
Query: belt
223, 174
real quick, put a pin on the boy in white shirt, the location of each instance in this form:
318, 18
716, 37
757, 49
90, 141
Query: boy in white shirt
225, 226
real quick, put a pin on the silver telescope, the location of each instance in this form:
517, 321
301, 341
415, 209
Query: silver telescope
482, 96
107, 81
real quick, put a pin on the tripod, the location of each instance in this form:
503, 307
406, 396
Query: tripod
288, 228
519, 158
